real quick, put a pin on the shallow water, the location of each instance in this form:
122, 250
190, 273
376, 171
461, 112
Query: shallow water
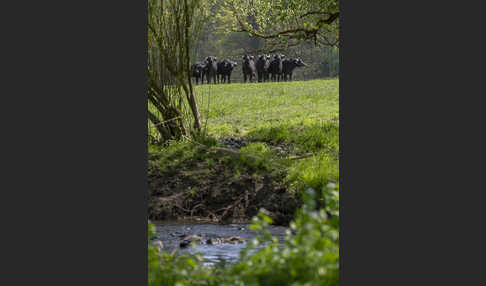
212, 253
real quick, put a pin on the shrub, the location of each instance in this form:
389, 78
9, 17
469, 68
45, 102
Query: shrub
310, 256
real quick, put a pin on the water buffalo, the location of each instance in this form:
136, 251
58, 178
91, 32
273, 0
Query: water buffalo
248, 68
211, 68
289, 66
197, 70
266, 69
276, 67
262, 66
225, 67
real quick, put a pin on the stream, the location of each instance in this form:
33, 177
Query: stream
212, 254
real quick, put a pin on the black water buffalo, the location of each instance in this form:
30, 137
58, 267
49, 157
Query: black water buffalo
276, 67
211, 69
262, 66
266, 69
197, 70
248, 68
225, 67
289, 65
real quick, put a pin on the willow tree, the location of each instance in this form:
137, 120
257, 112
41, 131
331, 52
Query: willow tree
286, 23
173, 28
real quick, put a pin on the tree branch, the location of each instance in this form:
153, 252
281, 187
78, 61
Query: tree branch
298, 33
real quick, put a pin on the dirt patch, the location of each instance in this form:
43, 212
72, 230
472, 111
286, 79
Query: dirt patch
282, 149
233, 142
217, 192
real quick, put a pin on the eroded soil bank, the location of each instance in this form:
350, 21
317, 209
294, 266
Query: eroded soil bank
213, 187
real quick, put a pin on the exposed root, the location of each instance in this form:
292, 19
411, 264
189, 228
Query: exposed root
210, 191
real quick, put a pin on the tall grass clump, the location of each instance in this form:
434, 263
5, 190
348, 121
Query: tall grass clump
309, 137
257, 156
315, 172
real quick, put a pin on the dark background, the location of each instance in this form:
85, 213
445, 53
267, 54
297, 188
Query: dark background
74, 143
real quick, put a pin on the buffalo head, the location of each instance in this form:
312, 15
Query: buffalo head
299, 63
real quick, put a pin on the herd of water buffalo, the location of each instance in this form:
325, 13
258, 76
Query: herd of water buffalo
266, 68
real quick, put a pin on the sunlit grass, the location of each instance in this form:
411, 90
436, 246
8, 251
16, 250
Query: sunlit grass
301, 114
236, 109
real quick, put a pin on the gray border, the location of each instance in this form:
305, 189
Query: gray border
77, 162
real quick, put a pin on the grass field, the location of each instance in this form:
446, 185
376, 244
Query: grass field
237, 109
280, 121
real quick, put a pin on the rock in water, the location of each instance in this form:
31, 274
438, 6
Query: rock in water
213, 241
233, 239
184, 244
179, 234
192, 238
189, 239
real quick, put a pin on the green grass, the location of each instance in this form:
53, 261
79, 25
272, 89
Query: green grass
236, 109
302, 115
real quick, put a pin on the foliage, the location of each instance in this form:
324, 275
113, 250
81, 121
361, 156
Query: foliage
315, 172
285, 23
218, 39
173, 27
310, 256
